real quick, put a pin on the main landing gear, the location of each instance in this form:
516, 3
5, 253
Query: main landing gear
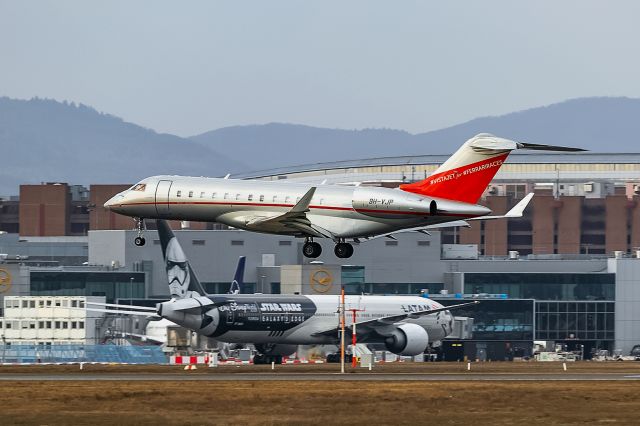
139, 240
312, 249
343, 250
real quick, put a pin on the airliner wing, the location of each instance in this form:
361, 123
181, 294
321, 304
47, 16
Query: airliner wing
385, 322
293, 221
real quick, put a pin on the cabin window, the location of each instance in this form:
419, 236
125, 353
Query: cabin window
198, 242
213, 196
226, 195
287, 199
284, 243
202, 195
275, 198
297, 200
237, 196
390, 243
190, 194
261, 198
424, 243
250, 197
237, 242
179, 194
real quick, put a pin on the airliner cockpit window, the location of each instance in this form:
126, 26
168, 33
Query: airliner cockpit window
139, 187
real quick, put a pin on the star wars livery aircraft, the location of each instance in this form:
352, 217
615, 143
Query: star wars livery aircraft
342, 213
277, 324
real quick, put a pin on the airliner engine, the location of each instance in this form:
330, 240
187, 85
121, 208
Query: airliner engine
407, 340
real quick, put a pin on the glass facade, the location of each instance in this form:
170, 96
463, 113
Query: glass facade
223, 288
113, 285
575, 320
543, 286
501, 319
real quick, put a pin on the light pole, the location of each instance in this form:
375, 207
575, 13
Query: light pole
262, 277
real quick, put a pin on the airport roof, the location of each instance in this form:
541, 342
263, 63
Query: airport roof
515, 158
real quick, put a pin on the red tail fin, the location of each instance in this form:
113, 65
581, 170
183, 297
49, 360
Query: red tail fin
467, 173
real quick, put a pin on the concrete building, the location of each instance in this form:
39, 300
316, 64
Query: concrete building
47, 320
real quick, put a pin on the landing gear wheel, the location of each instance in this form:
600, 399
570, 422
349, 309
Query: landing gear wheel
311, 249
343, 250
139, 241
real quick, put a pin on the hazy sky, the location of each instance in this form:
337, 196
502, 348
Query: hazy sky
189, 67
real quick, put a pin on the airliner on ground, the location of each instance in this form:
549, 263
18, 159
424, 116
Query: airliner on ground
446, 198
276, 324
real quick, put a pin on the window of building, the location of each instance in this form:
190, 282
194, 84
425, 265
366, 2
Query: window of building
81, 305
81, 324
179, 194
48, 324
57, 324
65, 325
57, 303
40, 324
48, 303
237, 242
7, 325
32, 325
190, 194
390, 243
74, 325
25, 303
65, 303
198, 242
74, 303
40, 303
24, 324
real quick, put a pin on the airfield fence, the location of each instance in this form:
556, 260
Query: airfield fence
42, 354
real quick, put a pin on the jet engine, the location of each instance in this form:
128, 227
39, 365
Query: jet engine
274, 349
407, 340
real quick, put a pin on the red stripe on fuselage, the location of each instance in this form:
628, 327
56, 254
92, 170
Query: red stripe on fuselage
391, 212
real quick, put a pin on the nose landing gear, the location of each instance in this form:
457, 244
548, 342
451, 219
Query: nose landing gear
139, 240
311, 249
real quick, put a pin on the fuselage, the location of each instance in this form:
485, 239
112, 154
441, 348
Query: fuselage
296, 319
336, 211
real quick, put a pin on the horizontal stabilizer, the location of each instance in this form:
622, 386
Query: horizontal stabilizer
540, 147
121, 312
115, 305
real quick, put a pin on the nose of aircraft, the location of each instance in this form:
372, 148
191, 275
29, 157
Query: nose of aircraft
114, 203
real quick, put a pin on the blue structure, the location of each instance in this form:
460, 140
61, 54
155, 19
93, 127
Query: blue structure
35, 354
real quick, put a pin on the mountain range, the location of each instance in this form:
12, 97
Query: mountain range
44, 140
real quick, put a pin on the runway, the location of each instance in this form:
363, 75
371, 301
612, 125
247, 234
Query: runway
402, 377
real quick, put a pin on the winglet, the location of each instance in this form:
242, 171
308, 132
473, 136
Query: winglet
516, 211
303, 205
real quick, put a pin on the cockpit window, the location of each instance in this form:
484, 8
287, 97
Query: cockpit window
139, 187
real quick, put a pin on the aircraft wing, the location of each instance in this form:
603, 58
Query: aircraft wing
420, 229
295, 220
516, 211
384, 322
